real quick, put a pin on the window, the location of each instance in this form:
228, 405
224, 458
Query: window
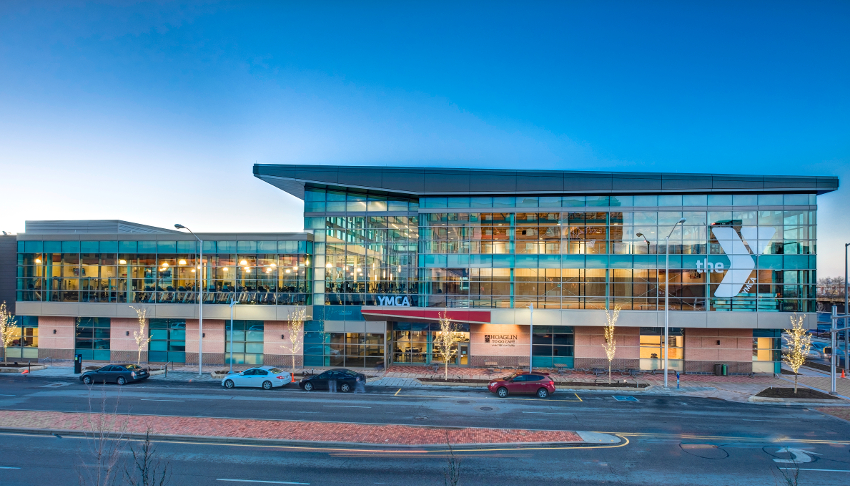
168, 341
652, 348
766, 350
24, 338
92, 338
552, 345
247, 347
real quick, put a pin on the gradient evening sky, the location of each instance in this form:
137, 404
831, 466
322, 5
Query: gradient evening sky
154, 112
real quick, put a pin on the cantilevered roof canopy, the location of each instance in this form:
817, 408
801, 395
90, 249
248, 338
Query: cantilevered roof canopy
465, 182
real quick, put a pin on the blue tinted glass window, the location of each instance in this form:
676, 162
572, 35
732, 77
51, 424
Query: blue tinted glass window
109, 247
166, 247
599, 201
89, 247
573, 201
527, 202
266, 247
457, 202
669, 200
645, 201
127, 247
302, 247
209, 247
287, 247
694, 200
32, 246
147, 246
434, 202
796, 199
626, 201
246, 247
187, 246
397, 205
503, 202
744, 200
223, 246
314, 195
550, 202
719, 199
70, 247
770, 199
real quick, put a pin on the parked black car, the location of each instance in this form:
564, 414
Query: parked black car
115, 373
346, 380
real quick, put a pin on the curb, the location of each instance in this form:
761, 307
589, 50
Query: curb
815, 402
589, 439
22, 369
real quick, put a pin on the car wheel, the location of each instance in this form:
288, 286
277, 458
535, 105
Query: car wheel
542, 393
228, 383
267, 385
87, 380
308, 386
121, 380
345, 388
502, 392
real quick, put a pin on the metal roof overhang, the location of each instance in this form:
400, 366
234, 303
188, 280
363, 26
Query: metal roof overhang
417, 182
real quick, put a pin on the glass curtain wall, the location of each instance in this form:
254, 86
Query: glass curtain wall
591, 257
552, 346
413, 343
251, 272
652, 348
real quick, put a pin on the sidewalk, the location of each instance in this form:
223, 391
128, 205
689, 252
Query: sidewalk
290, 431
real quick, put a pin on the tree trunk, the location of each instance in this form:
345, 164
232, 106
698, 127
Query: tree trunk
139, 360
447, 370
293, 365
609, 372
795, 383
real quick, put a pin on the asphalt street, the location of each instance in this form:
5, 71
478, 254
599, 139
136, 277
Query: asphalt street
675, 439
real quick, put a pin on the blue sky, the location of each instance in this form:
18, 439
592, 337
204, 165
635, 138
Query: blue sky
155, 111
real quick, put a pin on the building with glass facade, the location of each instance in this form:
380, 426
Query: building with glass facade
386, 251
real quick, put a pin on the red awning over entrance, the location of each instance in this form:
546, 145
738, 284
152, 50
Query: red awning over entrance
425, 315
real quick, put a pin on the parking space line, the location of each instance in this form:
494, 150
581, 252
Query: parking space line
396, 393
258, 481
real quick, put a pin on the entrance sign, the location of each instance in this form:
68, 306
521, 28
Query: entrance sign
393, 300
741, 262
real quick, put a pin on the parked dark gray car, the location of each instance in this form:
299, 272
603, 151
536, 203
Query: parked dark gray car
115, 373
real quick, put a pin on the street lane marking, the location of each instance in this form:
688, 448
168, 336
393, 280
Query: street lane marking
579, 398
550, 413
4, 395
258, 481
8, 467
347, 406
396, 393
155, 400
825, 470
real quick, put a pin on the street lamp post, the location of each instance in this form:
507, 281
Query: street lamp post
647, 242
200, 299
846, 312
531, 338
232, 302
667, 297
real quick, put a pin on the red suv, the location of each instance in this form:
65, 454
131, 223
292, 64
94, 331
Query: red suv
523, 383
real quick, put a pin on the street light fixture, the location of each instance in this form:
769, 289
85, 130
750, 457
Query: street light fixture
667, 298
200, 299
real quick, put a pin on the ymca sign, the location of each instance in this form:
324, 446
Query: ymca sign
393, 300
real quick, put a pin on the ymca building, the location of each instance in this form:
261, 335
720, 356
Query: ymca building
386, 251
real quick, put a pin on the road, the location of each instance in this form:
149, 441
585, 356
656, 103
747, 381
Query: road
673, 439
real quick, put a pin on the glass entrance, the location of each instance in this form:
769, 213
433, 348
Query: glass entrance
413, 343
168, 341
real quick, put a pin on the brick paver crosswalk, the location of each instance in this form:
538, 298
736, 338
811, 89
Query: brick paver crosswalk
278, 429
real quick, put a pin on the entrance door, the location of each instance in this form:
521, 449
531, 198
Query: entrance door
462, 358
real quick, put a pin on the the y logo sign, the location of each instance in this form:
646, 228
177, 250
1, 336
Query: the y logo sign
741, 263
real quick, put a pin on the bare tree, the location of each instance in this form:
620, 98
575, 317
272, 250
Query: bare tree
142, 338
146, 469
610, 344
7, 328
295, 327
831, 287
452, 471
799, 343
446, 339
105, 431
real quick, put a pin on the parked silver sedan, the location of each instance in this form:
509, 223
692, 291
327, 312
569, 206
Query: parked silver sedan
265, 377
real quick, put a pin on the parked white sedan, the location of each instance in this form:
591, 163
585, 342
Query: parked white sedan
265, 377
